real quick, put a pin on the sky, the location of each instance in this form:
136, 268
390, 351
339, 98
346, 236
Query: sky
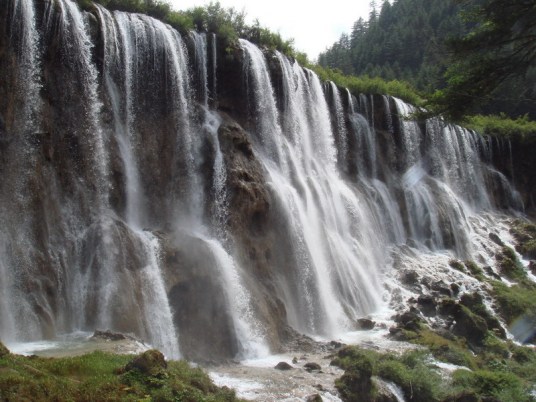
314, 25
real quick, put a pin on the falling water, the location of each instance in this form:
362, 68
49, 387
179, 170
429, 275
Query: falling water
121, 154
324, 215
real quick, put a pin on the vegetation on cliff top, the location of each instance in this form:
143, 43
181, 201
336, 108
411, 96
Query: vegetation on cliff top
102, 376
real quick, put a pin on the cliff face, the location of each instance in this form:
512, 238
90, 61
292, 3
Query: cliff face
210, 205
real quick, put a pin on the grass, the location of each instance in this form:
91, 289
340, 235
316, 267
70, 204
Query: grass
102, 376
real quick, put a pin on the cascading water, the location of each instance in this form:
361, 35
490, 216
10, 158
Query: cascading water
128, 170
325, 218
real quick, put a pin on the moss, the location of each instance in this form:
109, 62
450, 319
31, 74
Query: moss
514, 301
509, 264
457, 265
474, 269
101, 376
504, 386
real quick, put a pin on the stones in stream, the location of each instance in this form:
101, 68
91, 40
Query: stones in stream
283, 366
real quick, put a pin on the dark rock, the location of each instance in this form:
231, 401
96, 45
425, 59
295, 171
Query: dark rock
532, 266
455, 288
3, 350
469, 325
365, 324
491, 272
427, 304
496, 239
189, 269
383, 392
409, 321
441, 287
314, 398
356, 382
311, 366
410, 278
283, 366
151, 362
319, 387
295, 360
109, 336
336, 345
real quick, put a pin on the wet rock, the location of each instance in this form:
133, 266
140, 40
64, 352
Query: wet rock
319, 387
196, 295
427, 304
314, 398
410, 278
295, 360
409, 321
356, 382
455, 288
110, 336
441, 287
469, 325
283, 366
311, 366
532, 267
336, 345
365, 324
3, 350
489, 271
383, 392
496, 239
151, 362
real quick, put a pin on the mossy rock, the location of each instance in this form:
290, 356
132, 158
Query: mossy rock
3, 350
151, 362
509, 264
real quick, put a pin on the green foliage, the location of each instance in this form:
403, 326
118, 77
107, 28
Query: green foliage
474, 269
515, 301
368, 85
507, 387
101, 376
412, 371
510, 265
503, 126
500, 46
403, 41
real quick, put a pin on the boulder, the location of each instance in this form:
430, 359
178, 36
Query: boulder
283, 366
470, 326
532, 267
496, 239
365, 324
311, 366
427, 305
109, 336
151, 362
314, 398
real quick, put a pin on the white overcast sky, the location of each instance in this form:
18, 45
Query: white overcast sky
314, 25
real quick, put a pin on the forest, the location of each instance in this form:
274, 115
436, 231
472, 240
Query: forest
465, 56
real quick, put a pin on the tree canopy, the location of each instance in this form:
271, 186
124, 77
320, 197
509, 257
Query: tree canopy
500, 48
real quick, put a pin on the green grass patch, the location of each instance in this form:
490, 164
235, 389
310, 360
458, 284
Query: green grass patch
102, 376
514, 301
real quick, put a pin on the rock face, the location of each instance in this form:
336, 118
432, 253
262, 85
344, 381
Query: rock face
215, 207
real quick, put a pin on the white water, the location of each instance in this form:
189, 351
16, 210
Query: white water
325, 217
141, 156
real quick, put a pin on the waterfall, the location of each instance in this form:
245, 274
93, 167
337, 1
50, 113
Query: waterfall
149, 188
324, 215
